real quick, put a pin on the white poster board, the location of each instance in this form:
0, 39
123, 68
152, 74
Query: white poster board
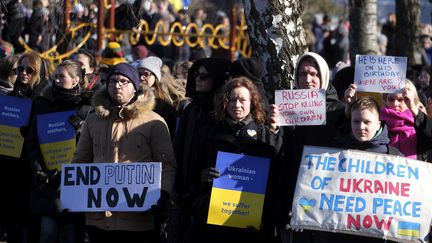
382, 74
363, 193
96, 187
301, 107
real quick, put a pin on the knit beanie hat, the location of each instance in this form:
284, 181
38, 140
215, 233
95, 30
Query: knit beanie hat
126, 70
112, 54
153, 64
251, 68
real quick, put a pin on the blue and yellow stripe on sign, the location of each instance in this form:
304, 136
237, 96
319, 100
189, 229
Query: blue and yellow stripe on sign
408, 229
11, 141
235, 208
58, 153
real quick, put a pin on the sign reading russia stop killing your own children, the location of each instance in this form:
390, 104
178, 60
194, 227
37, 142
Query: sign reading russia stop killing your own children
357, 192
122, 187
301, 107
382, 74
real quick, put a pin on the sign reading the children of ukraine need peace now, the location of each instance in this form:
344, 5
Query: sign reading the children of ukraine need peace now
301, 107
14, 113
363, 193
382, 74
56, 138
97, 187
237, 196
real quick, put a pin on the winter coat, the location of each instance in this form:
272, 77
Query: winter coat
168, 113
246, 137
194, 126
5, 87
130, 133
53, 99
423, 127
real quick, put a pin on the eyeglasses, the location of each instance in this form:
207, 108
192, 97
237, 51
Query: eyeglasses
28, 70
121, 82
145, 74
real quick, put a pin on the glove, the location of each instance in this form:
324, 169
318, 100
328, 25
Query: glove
75, 121
161, 204
208, 175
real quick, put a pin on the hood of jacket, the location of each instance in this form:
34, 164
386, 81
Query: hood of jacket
217, 69
144, 102
322, 66
378, 144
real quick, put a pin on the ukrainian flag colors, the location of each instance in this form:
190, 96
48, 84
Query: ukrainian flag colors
237, 196
56, 138
408, 229
14, 114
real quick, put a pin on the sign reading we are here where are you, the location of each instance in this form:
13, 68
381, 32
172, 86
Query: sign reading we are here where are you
363, 193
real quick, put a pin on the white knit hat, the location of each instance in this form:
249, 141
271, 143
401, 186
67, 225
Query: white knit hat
152, 63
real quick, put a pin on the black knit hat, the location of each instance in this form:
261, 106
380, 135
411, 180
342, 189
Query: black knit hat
126, 70
248, 67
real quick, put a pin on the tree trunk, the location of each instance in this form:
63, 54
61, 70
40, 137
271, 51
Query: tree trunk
407, 28
277, 38
363, 33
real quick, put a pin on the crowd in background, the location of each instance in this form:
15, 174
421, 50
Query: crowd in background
180, 106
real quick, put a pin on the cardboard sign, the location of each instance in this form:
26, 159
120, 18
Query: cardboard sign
237, 196
56, 138
363, 193
122, 187
382, 74
301, 107
14, 113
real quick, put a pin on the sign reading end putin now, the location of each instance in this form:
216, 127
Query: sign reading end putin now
121, 187
357, 192
14, 113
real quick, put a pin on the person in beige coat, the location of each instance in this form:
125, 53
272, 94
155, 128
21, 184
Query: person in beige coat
124, 129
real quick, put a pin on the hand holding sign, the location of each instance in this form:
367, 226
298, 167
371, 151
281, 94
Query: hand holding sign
350, 94
409, 95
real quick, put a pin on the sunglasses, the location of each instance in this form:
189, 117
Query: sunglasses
204, 76
28, 70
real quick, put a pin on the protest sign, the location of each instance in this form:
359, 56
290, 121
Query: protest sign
382, 74
237, 196
14, 113
121, 187
301, 107
363, 193
56, 138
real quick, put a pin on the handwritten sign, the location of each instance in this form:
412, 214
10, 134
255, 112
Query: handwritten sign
301, 107
382, 74
363, 193
14, 113
121, 187
237, 196
56, 138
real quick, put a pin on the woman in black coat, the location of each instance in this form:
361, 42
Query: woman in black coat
64, 94
239, 129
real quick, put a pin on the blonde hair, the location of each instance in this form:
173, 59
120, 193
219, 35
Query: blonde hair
40, 67
412, 87
174, 89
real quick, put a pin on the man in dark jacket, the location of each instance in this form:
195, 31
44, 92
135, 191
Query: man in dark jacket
311, 72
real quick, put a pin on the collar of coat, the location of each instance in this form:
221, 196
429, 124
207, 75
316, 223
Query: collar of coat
104, 108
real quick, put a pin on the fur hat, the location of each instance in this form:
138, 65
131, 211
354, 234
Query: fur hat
126, 70
153, 64
251, 68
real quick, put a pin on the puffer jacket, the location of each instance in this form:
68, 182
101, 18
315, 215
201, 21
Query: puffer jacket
130, 133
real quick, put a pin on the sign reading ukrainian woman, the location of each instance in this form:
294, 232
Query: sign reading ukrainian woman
56, 138
357, 192
237, 196
301, 107
14, 113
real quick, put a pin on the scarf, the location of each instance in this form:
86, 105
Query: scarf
68, 98
401, 131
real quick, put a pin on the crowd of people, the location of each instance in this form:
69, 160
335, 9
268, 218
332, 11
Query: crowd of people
143, 109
